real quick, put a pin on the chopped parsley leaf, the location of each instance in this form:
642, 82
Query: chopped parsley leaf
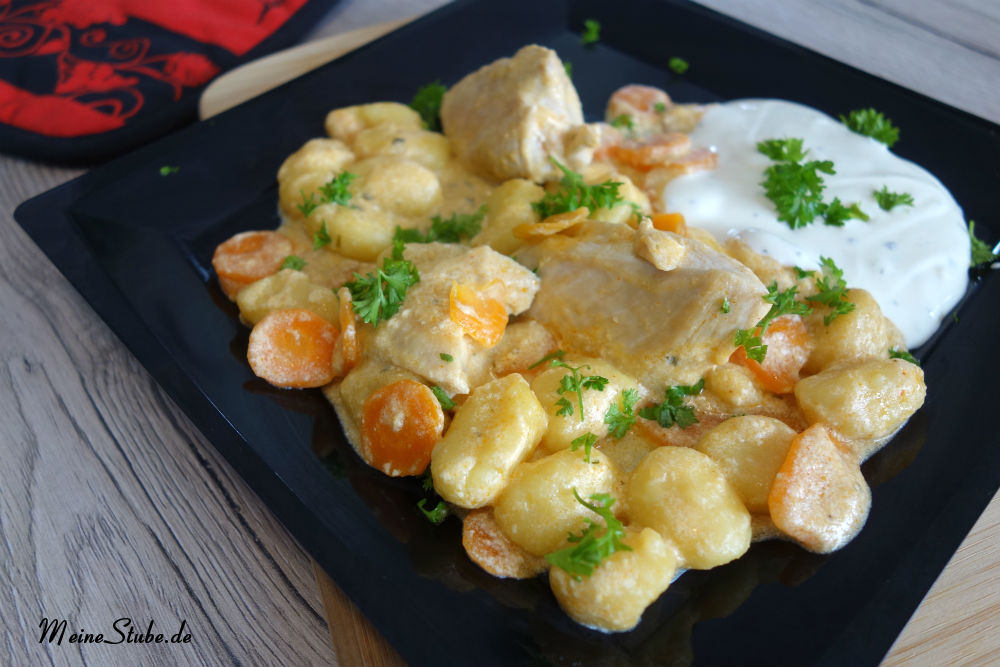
167, 170
447, 357
678, 65
624, 121
981, 252
335, 191
436, 514
620, 420
832, 291
427, 103
576, 194
902, 354
673, 410
724, 308
574, 383
321, 237
308, 204
890, 200
836, 214
377, 296
660, 107
587, 441
568, 66
782, 150
293, 262
591, 546
443, 398
782, 303
872, 124
450, 230
558, 354
591, 32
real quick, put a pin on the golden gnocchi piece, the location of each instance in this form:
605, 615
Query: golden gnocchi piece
564, 428
396, 184
495, 429
683, 495
733, 385
286, 289
865, 401
430, 149
613, 598
346, 123
537, 508
749, 450
863, 333
358, 233
819, 497
507, 207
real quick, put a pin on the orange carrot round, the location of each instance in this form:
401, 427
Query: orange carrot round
787, 343
293, 348
670, 222
400, 424
653, 152
248, 257
482, 318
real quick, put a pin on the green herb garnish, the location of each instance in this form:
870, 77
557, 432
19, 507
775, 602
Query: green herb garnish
981, 252
620, 420
443, 398
872, 124
308, 204
321, 237
427, 103
673, 410
782, 303
335, 191
574, 383
576, 194
624, 121
902, 354
446, 357
592, 545
832, 291
293, 262
678, 65
451, 230
558, 354
435, 515
377, 296
587, 441
167, 170
725, 307
591, 32
890, 200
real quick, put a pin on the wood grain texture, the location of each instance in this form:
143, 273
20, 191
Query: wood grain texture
112, 505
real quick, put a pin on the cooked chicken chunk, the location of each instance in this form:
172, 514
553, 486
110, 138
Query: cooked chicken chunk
416, 337
507, 118
642, 299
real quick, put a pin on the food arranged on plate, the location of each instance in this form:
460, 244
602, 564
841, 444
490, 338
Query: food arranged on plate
617, 350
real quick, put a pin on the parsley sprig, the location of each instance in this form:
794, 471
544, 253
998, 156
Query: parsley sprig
678, 65
574, 383
333, 191
575, 194
782, 303
982, 254
592, 545
449, 230
587, 441
832, 290
293, 262
591, 32
872, 123
673, 410
620, 419
795, 186
889, 200
427, 103
895, 353
378, 296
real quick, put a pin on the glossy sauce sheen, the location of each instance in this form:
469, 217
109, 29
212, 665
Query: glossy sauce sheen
913, 259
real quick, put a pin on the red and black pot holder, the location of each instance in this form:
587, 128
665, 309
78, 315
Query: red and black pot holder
82, 80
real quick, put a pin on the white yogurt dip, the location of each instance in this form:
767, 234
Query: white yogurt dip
913, 259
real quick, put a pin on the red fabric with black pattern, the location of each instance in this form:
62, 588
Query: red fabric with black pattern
82, 80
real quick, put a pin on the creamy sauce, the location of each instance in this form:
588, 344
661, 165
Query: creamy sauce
913, 259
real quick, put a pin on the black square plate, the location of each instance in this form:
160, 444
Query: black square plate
138, 246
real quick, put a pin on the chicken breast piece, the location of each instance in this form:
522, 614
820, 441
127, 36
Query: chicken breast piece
643, 299
416, 337
507, 118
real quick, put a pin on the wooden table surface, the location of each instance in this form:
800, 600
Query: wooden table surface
113, 505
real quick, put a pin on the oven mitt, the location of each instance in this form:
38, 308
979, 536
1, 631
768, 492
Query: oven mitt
84, 80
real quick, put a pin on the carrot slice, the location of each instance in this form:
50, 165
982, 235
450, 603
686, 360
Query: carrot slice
787, 343
248, 257
293, 348
400, 424
670, 222
350, 345
653, 152
482, 318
